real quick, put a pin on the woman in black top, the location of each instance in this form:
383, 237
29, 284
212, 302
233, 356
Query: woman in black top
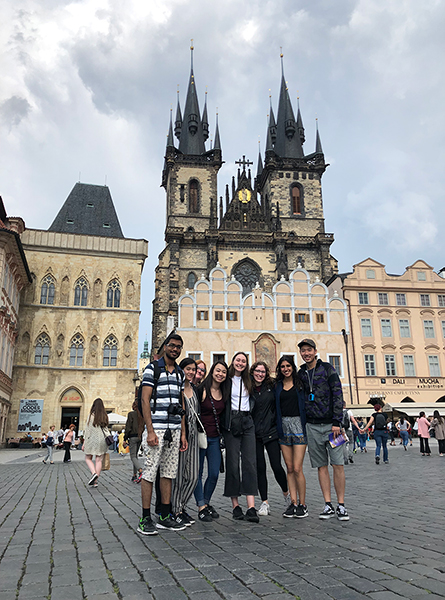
264, 417
291, 424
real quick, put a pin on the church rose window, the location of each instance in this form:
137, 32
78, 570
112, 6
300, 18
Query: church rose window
41, 355
76, 351
114, 294
247, 275
81, 292
110, 352
47, 290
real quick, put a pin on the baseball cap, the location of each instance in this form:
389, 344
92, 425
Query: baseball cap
307, 342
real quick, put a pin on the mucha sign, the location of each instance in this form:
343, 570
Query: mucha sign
30, 415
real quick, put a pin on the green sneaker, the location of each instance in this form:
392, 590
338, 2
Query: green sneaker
146, 527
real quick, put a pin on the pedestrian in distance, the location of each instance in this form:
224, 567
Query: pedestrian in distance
50, 441
188, 466
349, 423
68, 439
213, 395
239, 436
381, 436
362, 437
132, 437
424, 434
291, 425
266, 433
403, 428
438, 423
324, 414
94, 445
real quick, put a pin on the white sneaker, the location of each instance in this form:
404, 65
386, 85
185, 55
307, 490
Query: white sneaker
264, 510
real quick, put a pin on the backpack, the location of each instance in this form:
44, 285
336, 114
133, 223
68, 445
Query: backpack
346, 420
157, 373
380, 422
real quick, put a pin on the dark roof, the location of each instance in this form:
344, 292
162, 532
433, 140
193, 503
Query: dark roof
288, 141
88, 210
191, 141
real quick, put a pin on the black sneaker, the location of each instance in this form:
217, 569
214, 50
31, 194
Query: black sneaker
327, 512
188, 518
93, 479
351, 460
179, 519
252, 515
170, 523
133, 478
342, 513
290, 511
213, 512
237, 513
377, 460
301, 511
204, 515
146, 527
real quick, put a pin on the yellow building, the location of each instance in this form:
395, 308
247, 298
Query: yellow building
14, 276
216, 319
79, 319
398, 330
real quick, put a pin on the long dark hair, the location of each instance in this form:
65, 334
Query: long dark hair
185, 362
207, 383
245, 377
267, 380
279, 375
436, 415
99, 413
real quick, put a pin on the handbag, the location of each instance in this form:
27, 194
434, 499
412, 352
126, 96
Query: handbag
108, 438
202, 436
106, 462
50, 441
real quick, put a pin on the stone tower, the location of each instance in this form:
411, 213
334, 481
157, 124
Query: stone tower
265, 228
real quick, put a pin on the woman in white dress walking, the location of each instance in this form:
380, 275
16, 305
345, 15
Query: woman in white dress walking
96, 431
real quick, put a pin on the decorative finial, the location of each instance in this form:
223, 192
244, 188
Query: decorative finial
335, 294
191, 44
317, 279
257, 285
218, 264
202, 276
187, 291
191, 53
299, 266
282, 278
177, 91
281, 51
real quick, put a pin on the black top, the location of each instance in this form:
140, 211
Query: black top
289, 403
263, 412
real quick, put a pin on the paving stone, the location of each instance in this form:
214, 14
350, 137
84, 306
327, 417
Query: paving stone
168, 593
192, 586
126, 574
72, 592
39, 589
385, 596
97, 586
133, 588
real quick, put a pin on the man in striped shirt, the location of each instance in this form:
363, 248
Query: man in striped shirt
164, 435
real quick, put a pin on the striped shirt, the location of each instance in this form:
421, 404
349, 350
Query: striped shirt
168, 391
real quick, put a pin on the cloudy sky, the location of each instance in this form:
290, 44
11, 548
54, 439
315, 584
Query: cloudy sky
87, 87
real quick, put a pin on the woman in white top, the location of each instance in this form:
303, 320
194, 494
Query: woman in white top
239, 437
50, 439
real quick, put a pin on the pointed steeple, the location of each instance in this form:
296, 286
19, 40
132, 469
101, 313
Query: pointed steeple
205, 121
300, 124
288, 143
178, 120
318, 146
217, 142
259, 168
192, 138
170, 141
269, 144
272, 122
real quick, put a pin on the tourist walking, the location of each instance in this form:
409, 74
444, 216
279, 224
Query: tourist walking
239, 436
213, 394
438, 423
291, 424
133, 437
188, 466
94, 445
378, 419
50, 440
423, 429
266, 433
403, 426
68, 439
362, 437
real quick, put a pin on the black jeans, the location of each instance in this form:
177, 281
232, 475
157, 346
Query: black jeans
246, 482
66, 447
274, 453
424, 446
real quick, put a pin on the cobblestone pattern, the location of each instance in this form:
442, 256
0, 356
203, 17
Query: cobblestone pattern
61, 540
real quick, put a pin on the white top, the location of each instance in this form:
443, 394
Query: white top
236, 381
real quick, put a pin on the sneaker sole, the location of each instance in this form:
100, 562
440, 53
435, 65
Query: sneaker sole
252, 519
147, 532
177, 528
288, 516
93, 479
241, 518
343, 518
263, 514
301, 516
326, 517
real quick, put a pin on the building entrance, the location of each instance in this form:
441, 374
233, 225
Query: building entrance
70, 415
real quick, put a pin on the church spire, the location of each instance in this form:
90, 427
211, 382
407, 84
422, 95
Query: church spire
217, 142
300, 124
288, 142
205, 121
192, 136
178, 120
170, 141
259, 168
318, 146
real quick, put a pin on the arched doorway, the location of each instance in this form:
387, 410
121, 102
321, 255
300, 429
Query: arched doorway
71, 403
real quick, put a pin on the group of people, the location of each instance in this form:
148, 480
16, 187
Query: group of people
53, 438
240, 410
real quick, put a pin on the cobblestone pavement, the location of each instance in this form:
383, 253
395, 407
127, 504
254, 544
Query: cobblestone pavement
62, 540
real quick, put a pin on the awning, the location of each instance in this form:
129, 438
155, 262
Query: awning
115, 419
412, 409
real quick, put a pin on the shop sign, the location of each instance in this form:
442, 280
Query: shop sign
30, 415
71, 396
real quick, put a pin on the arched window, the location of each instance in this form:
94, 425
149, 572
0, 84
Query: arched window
81, 292
110, 352
41, 355
114, 294
191, 280
76, 351
296, 200
47, 290
247, 273
193, 196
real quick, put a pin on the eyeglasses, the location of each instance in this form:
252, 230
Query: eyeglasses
201, 370
260, 371
174, 346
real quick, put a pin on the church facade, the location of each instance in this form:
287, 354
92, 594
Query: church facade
262, 231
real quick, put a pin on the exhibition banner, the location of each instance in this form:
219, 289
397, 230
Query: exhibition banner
30, 415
